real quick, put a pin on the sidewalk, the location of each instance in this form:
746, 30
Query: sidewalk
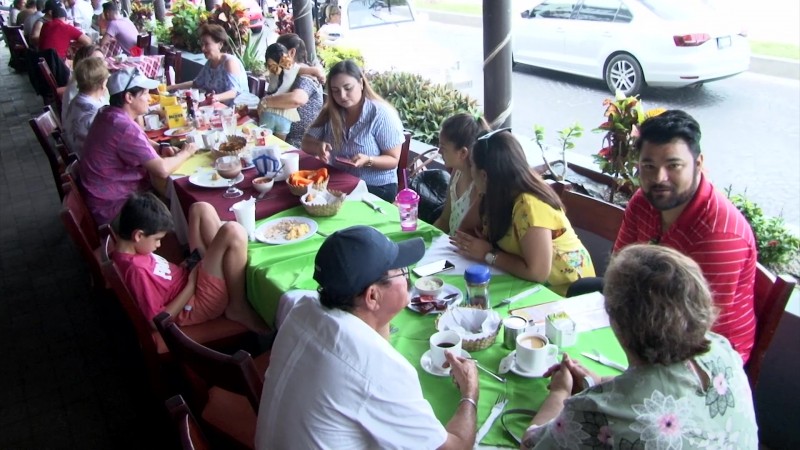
764, 65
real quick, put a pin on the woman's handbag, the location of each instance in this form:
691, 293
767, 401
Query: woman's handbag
430, 184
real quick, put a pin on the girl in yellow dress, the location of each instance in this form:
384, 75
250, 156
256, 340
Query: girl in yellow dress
525, 231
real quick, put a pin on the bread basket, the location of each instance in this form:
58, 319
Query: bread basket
301, 190
490, 326
324, 209
232, 147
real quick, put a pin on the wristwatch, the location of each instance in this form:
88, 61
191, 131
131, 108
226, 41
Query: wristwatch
369, 162
490, 257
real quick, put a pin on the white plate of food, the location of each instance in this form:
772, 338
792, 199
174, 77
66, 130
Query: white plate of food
425, 304
286, 230
211, 179
178, 132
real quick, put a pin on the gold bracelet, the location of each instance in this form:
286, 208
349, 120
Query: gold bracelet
469, 400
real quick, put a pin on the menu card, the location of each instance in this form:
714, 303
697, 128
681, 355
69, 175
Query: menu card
588, 311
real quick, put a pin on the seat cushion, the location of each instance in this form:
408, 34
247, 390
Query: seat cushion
232, 415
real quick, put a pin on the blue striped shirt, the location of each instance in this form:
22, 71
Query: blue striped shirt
377, 130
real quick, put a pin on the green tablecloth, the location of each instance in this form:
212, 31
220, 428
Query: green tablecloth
273, 270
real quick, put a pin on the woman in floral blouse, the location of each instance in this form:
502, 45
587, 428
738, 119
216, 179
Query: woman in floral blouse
685, 386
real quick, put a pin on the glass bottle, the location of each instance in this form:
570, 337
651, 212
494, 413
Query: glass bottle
477, 278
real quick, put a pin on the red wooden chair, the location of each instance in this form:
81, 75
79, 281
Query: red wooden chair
55, 93
189, 431
43, 127
173, 59
17, 46
770, 297
144, 41
226, 389
217, 333
81, 228
256, 85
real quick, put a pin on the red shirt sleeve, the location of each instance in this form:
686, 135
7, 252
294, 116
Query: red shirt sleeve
74, 33
144, 293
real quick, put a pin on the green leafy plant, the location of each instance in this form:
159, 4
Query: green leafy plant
141, 14
330, 55
777, 246
249, 55
422, 105
186, 21
565, 138
619, 157
160, 30
232, 16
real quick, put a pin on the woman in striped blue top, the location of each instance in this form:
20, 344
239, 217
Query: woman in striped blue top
357, 131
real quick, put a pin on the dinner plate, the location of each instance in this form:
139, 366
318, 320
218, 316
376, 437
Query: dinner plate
276, 237
530, 374
177, 132
427, 364
204, 178
447, 289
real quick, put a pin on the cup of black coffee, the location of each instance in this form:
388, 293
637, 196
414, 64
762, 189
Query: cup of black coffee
444, 341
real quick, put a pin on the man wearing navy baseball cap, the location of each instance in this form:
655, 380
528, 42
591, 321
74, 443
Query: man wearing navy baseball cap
334, 380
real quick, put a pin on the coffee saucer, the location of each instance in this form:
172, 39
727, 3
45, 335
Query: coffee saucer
427, 364
530, 374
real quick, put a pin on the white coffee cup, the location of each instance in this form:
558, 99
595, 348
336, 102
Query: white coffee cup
534, 352
152, 122
441, 342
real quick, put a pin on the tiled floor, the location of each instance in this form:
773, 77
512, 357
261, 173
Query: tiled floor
70, 376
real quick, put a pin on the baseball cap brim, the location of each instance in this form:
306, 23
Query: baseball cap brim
409, 252
119, 80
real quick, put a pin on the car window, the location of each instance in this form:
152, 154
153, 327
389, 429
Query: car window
678, 9
598, 10
368, 13
555, 9
623, 14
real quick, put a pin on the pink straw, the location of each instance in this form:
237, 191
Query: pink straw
405, 178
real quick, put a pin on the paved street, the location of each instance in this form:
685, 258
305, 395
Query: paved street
751, 123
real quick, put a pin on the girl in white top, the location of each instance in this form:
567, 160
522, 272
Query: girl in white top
456, 138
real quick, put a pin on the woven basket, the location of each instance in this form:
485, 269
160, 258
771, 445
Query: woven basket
472, 345
301, 190
326, 210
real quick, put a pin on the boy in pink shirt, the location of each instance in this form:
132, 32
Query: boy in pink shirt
190, 295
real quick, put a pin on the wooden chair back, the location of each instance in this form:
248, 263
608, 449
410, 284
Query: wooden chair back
595, 221
51, 96
17, 46
236, 373
189, 431
257, 86
86, 223
144, 41
771, 294
81, 228
402, 164
43, 127
173, 59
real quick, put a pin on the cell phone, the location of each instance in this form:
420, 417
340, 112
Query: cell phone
344, 160
432, 268
193, 259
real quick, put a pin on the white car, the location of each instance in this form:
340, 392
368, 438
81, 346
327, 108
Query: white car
631, 43
393, 36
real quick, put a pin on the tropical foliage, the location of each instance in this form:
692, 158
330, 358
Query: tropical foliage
330, 55
252, 60
186, 21
232, 16
141, 14
565, 138
422, 105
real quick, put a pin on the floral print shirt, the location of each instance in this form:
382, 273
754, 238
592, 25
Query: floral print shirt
308, 112
659, 407
571, 260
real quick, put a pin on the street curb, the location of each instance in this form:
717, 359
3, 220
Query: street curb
764, 65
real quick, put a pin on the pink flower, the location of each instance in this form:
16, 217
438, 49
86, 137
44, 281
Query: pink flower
669, 424
773, 243
605, 152
604, 435
721, 384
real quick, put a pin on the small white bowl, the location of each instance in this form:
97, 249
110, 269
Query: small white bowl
429, 286
263, 184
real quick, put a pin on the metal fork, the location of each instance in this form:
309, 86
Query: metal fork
497, 409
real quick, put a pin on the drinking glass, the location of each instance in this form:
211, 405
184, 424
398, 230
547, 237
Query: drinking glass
229, 122
229, 167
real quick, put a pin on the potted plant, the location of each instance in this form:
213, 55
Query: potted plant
186, 21
618, 158
565, 138
232, 16
252, 60
141, 14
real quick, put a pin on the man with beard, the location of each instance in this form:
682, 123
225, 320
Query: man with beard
678, 207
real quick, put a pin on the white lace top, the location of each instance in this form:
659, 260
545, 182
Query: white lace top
458, 205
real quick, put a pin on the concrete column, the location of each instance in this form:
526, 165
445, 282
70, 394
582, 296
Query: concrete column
304, 26
497, 62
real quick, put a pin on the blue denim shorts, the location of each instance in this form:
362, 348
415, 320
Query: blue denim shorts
278, 124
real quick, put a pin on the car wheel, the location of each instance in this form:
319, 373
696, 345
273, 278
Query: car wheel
624, 73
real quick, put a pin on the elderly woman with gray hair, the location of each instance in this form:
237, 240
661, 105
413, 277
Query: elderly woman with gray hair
685, 386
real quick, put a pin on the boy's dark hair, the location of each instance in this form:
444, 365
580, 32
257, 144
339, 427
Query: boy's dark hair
118, 99
144, 212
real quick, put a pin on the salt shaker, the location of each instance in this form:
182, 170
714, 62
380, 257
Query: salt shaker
477, 277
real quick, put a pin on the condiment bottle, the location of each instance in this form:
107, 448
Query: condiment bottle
477, 277
190, 114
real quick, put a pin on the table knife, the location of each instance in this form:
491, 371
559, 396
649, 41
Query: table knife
600, 359
519, 296
374, 207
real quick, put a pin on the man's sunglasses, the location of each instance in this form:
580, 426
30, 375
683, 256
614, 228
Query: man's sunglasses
134, 74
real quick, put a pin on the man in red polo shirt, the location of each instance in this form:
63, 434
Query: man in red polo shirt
678, 207
57, 33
